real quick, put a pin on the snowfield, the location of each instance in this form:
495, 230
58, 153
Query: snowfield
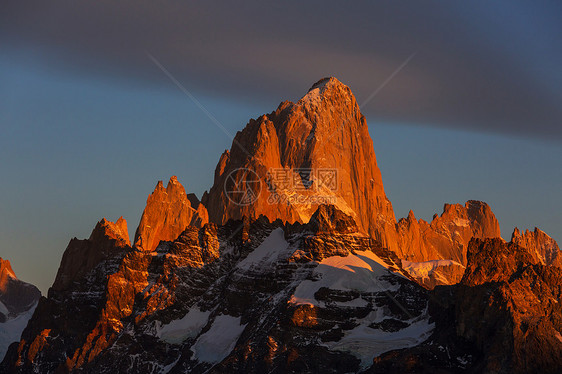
356, 272
367, 343
363, 272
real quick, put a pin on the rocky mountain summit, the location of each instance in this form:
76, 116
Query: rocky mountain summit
167, 213
292, 151
294, 261
290, 147
542, 247
18, 300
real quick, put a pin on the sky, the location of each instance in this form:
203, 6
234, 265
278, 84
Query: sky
467, 104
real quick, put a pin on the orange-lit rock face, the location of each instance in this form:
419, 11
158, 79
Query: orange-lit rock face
508, 305
447, 236
116, 308
93, 316
304, 316
98, 265
81, 256
38, 344
122, 288
168, 212
542, 247
6, 273
326, 130
494, 260
100, 283
323, 130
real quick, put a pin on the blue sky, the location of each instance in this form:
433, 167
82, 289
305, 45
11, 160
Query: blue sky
88, 124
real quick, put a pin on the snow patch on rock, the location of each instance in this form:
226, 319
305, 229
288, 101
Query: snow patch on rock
367, 343
355, 272
189, 326
10, 331
269, 252
217, 343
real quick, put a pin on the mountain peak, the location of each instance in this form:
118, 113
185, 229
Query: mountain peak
328, 83
411, 216
81, 256
324, 132
327, 89
542, 247
174, 185
6, 274
6, 268
167, 213
117, 230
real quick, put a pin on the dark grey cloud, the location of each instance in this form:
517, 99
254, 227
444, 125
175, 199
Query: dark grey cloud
479, 65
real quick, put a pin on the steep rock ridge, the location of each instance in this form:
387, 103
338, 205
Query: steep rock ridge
448, 235
509, 305
503, 317
435, 253
61, 323
201, 215
245, 296
542, 247
325, 130
292, 151
167, 213
81, 256
18, 300
100, 282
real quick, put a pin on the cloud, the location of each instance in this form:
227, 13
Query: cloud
480, 66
